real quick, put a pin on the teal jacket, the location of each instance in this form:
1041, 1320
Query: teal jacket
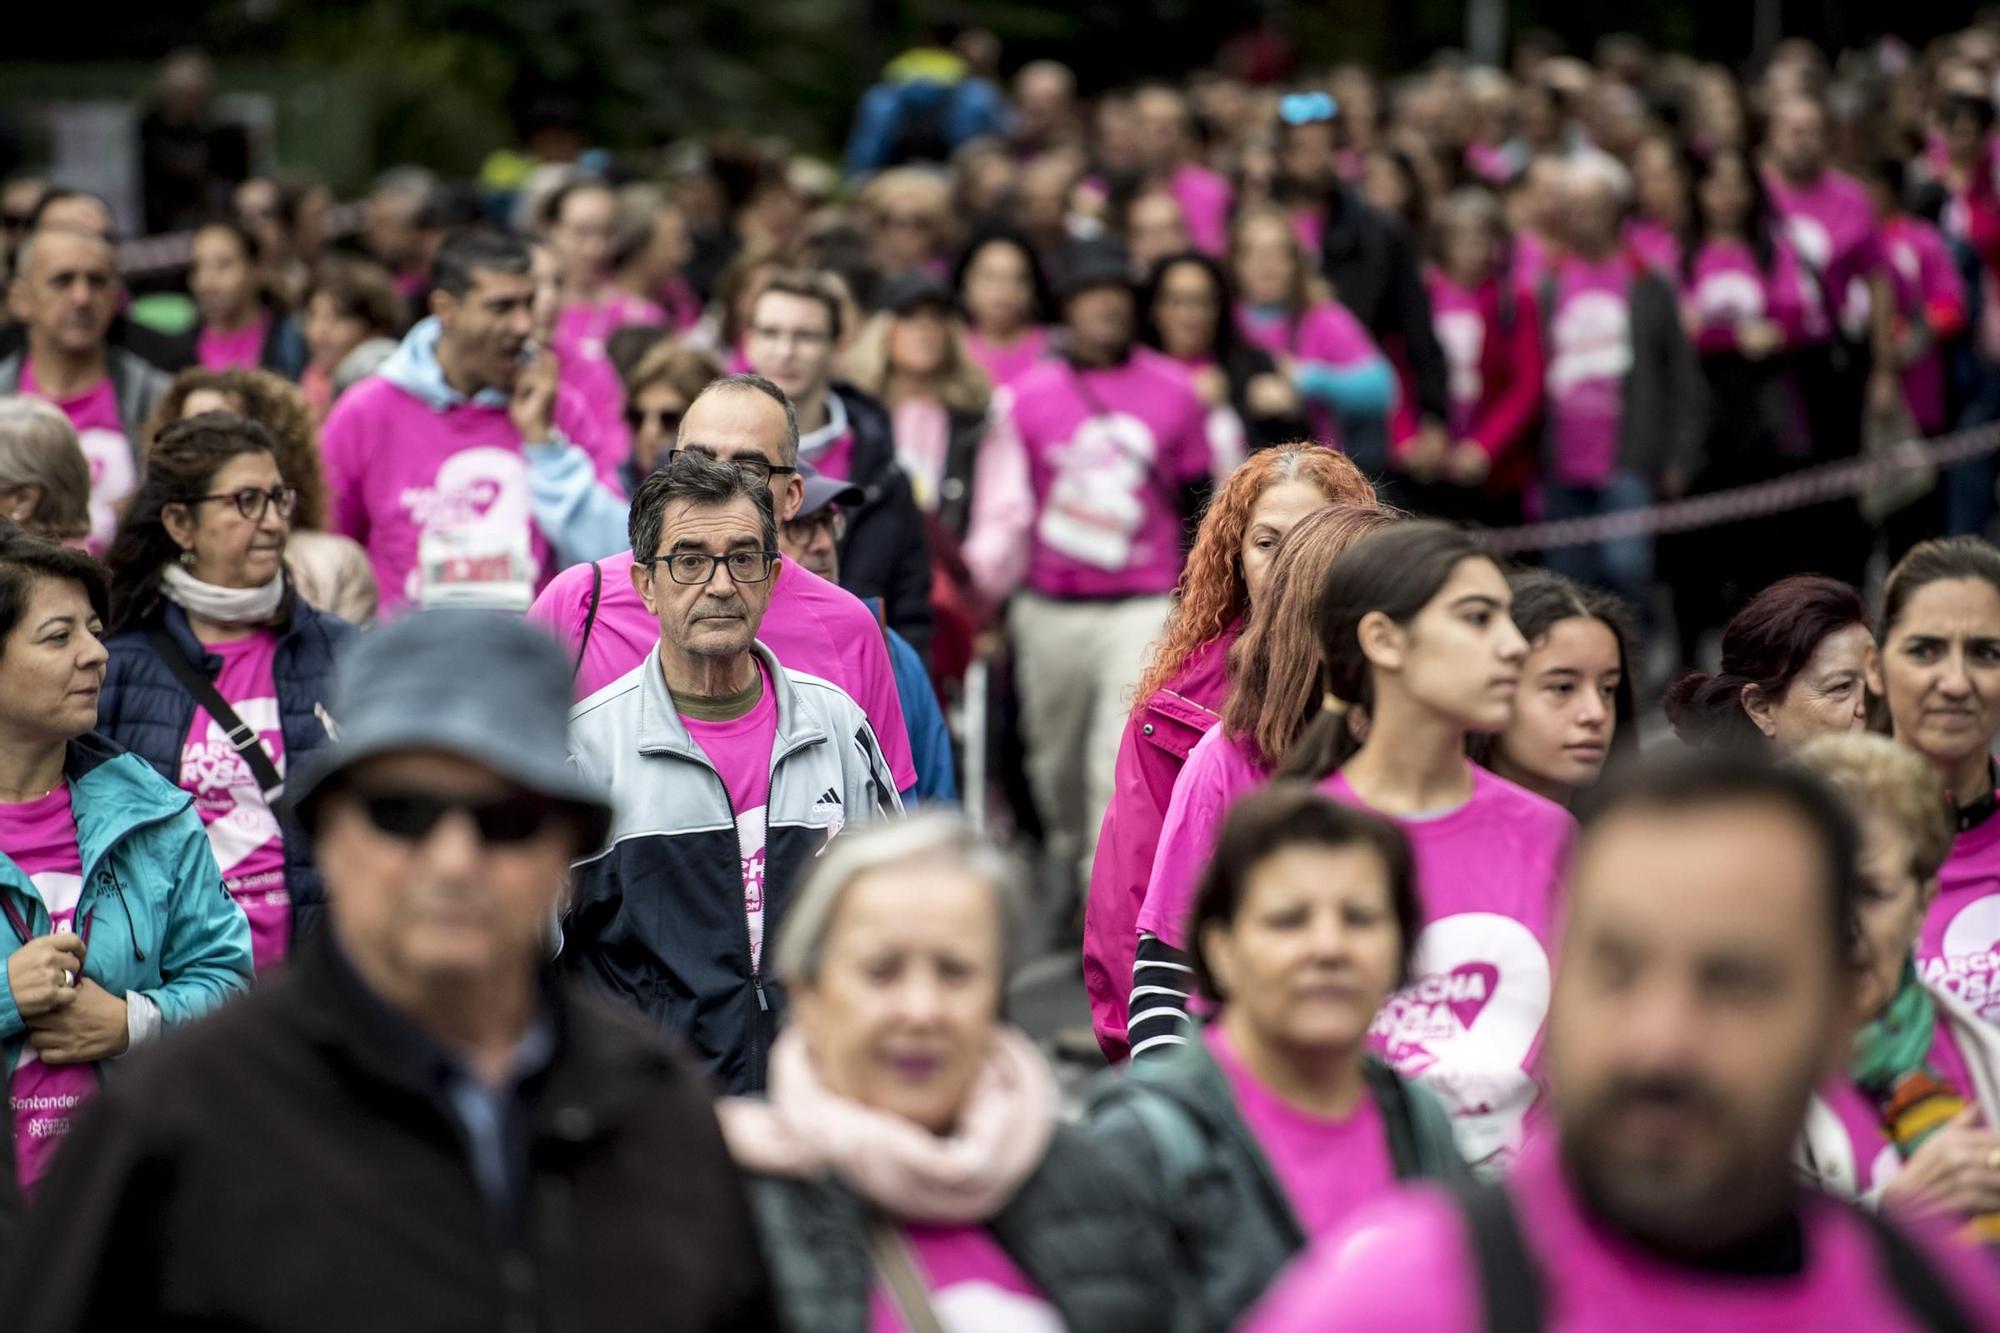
162, 925
1174, 1120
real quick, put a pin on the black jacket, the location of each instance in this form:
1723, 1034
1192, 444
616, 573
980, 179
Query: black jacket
884, 554
1368, 257
1079, 1228
285, 1165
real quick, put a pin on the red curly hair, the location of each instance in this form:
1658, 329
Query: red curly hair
1211, 595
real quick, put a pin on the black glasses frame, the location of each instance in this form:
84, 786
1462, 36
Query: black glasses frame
768, 559
253, 503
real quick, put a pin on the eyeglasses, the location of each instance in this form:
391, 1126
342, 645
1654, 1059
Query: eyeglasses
754, 466
693, 567
1307, 108
251, 502
666, 422
502, 821
806, 527
16, 221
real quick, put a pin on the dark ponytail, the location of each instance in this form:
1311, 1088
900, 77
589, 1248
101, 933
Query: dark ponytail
1767, 644
1396, 571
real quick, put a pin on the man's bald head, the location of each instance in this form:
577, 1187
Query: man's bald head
747, 419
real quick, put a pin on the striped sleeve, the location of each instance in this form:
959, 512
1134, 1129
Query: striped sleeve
1161, 982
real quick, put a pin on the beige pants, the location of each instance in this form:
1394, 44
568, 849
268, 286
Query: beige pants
1076, 664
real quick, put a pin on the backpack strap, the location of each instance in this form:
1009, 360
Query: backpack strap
589, 618
242, 737
1510, 1285
1176, 1139
1919, 1289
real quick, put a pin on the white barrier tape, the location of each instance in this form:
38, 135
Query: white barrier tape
1810, 486
145, 256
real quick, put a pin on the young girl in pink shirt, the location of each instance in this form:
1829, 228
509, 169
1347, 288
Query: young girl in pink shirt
1417, 637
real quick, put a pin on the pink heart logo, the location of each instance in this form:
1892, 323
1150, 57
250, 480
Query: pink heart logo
1467, 989
481, 495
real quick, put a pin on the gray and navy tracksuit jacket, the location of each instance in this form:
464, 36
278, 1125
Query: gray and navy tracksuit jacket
657, 916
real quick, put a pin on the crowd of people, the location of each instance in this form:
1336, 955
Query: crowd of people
486, 710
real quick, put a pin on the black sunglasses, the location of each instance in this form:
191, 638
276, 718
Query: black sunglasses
502, 821
669, 423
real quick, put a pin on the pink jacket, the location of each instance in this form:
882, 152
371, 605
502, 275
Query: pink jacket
1156, 743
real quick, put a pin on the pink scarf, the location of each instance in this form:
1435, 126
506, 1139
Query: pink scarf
902, 1168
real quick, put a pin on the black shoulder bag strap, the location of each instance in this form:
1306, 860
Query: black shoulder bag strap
1510, 1285
1916, 1283
589, 618
196, 682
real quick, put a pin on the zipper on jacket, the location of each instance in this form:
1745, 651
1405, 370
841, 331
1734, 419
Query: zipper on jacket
138, 954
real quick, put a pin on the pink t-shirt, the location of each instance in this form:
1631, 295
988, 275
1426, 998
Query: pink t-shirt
1959, 949
1205, 199
599, 407
974, 1286
811, 625
1328, 1167
922, 428
1406, 1265
242, 828
1727, 287
1328, 333
1218, 771
1470, 1023
1876, 1160
438, 498
1531, 260
584, 327
1590, 354
241, 350
1108, 452
39, 836
1460, 324
1924, 278
114, 468
1831, 222
1656, 245
741, 753
1005, 365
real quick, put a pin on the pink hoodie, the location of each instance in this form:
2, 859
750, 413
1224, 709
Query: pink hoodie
1150, 756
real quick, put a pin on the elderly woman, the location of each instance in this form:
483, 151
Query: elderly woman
1793, 665
44, 477
1277, 1123
218, 667
1912, 1121
113, 930
909, 1170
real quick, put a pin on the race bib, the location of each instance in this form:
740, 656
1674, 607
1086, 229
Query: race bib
1096, 503
475, 544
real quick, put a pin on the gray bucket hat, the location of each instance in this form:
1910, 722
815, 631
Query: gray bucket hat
482, 685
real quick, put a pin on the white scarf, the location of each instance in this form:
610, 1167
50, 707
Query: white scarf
222, 606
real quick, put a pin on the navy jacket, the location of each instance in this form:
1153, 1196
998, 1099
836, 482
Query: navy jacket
145, 709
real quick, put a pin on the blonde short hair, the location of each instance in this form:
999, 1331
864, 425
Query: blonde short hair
926, 837
38, 447
1874, 775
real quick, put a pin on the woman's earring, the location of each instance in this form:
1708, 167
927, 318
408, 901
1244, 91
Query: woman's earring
187, 560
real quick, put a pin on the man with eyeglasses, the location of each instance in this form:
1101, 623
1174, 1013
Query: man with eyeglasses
794, 338
420, 1120
595, 611
731, 774
425, 460
65, 292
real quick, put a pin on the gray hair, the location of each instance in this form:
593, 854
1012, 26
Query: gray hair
702, 480
933, 835
24, 254
38, 447
758, 384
